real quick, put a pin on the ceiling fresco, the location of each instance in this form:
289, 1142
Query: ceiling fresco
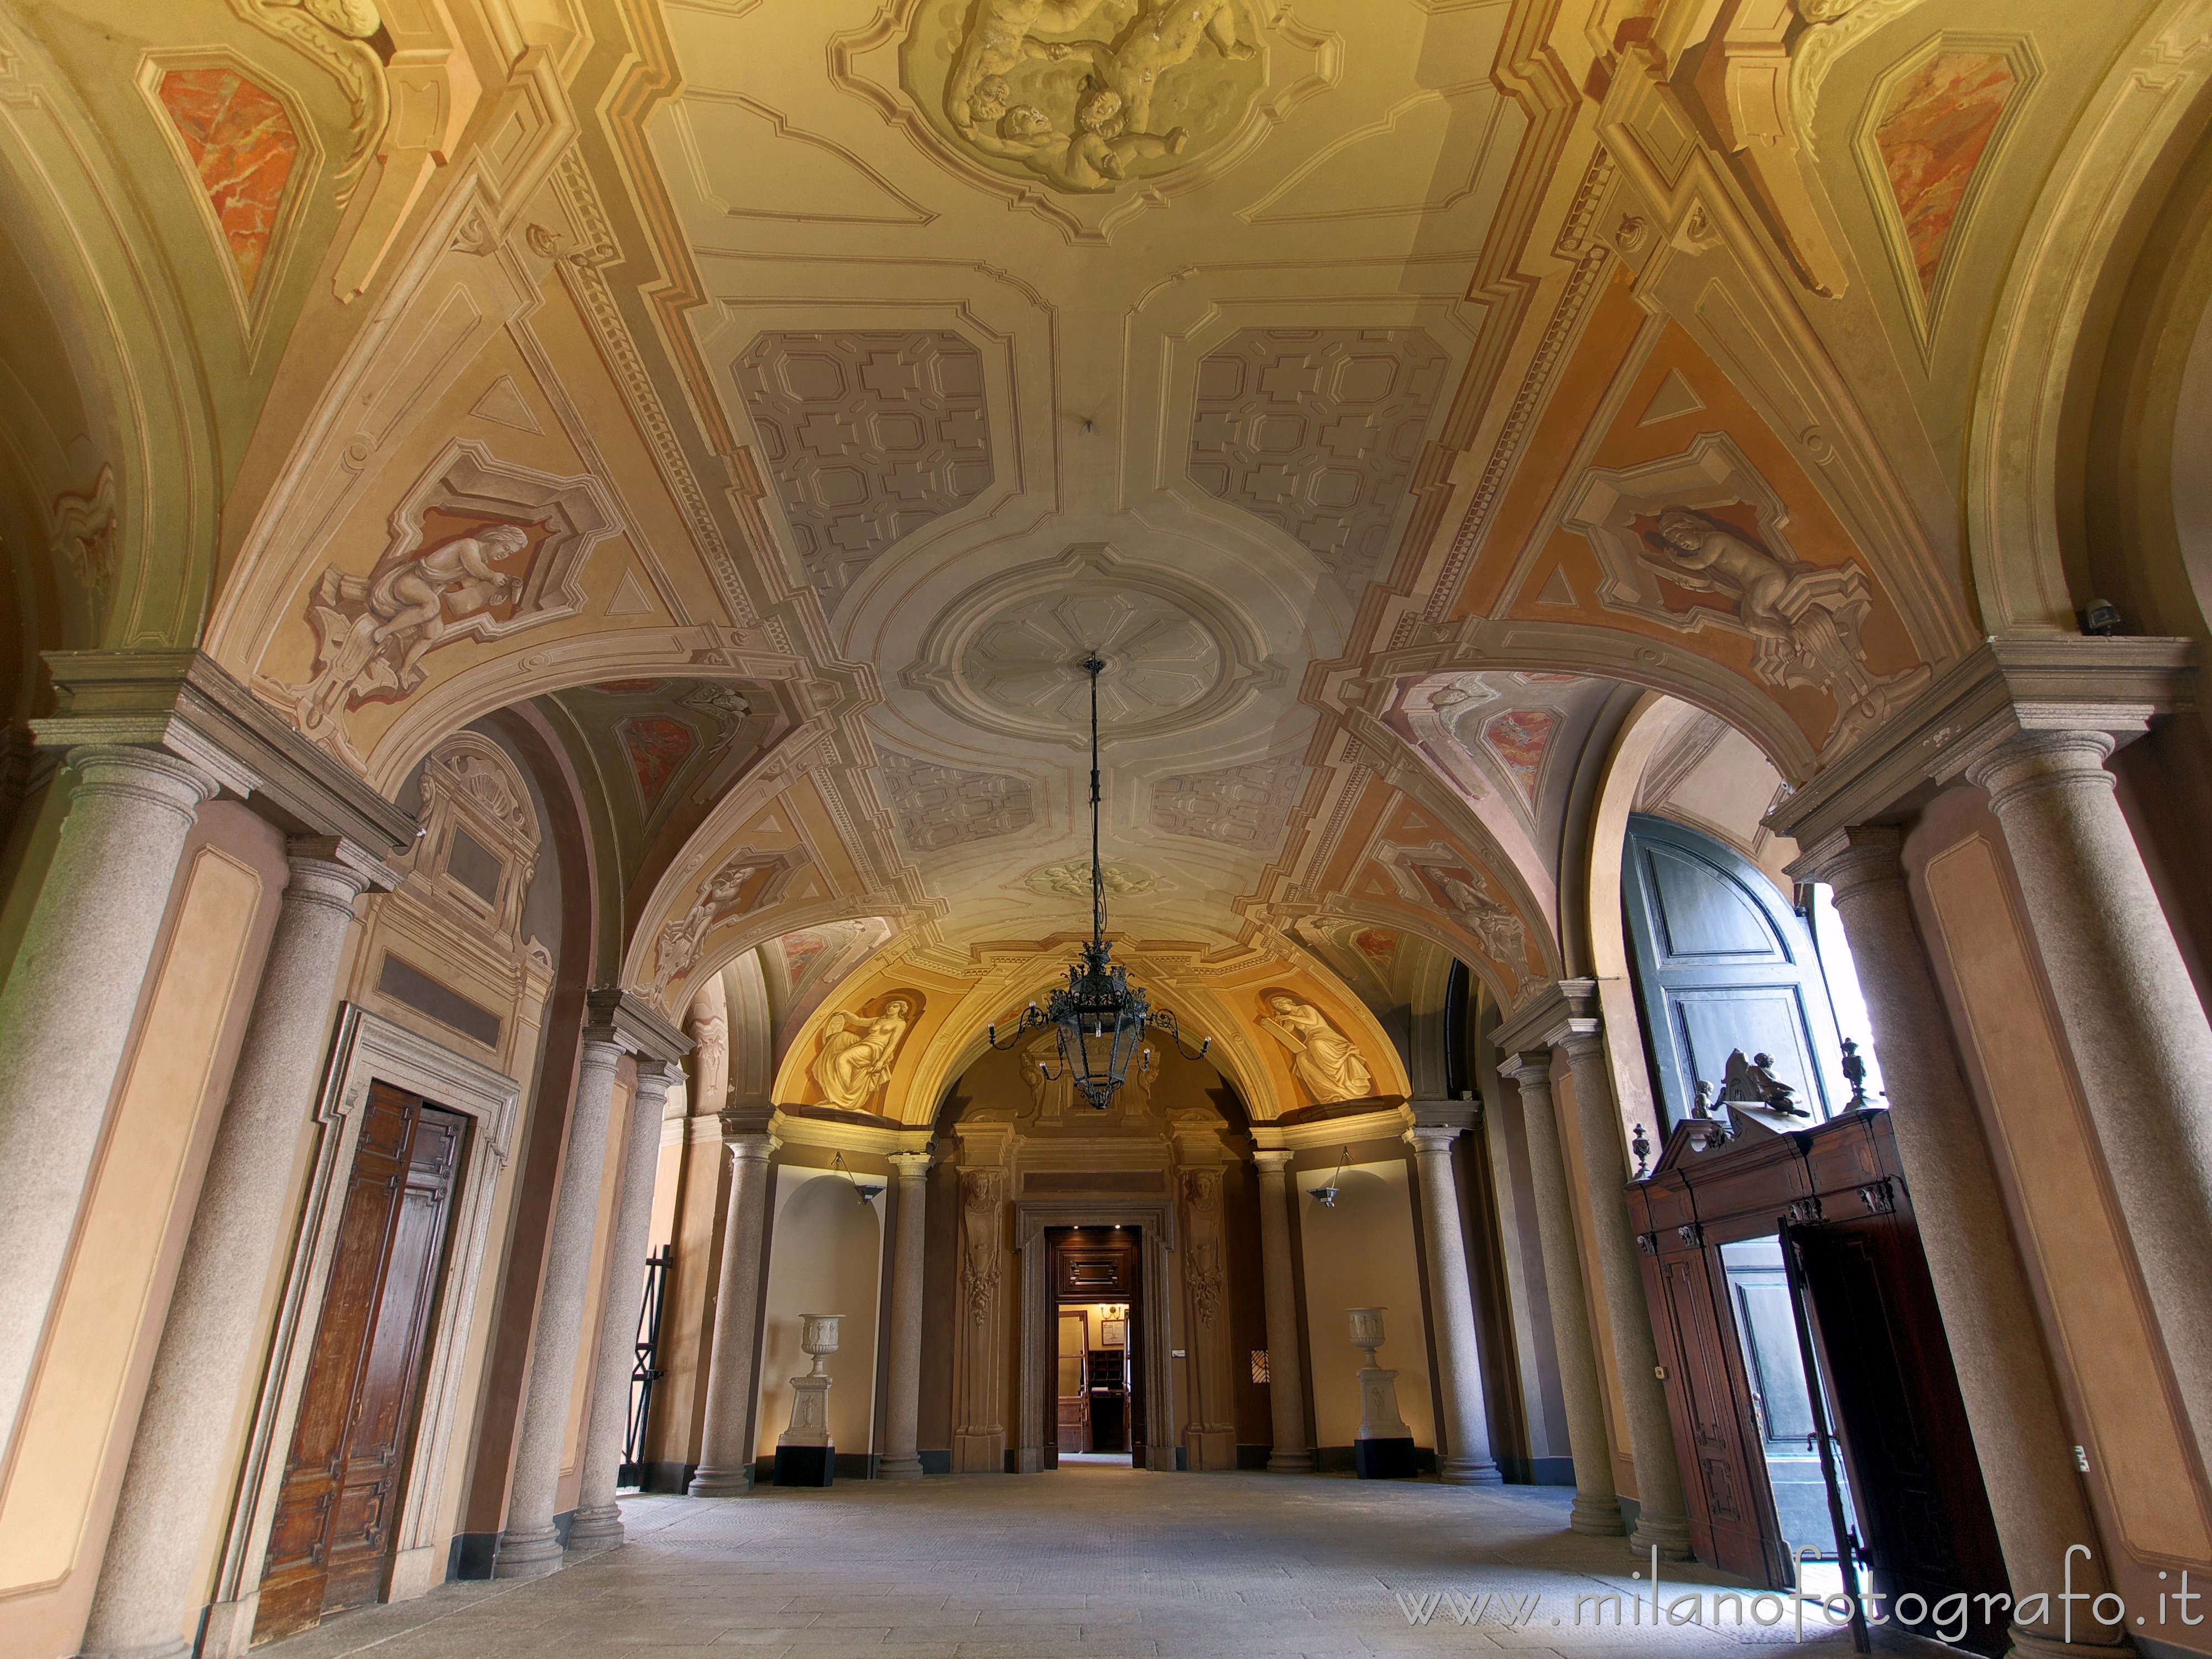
1391, 394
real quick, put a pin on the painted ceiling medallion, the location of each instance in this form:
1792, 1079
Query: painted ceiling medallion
1084, 95
1007, 656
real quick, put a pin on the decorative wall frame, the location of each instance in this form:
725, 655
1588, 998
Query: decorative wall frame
368, 1048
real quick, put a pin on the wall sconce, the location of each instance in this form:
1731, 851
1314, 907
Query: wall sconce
866, 1191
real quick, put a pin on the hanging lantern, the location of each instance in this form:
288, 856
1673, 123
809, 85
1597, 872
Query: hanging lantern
1100, 1016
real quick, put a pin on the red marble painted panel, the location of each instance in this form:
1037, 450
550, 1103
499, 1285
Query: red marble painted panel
244, 148
1931, 135
799, 950
626, 688
656, 746
1378, 945
1519, 737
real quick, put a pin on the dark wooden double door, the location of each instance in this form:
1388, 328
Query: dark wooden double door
1714, 1224
336, 1512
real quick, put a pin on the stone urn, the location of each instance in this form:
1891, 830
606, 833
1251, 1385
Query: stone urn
1385, 1449
804, 1455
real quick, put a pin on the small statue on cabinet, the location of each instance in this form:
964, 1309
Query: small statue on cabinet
1753, 1083
1855, 1075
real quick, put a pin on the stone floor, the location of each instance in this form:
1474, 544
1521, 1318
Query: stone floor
1096, 1560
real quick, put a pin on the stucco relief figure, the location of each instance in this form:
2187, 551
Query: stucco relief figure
1052, 1096
857, 1054
1322, 1059
371, 632
979, 1240
682, 939
1804, 619
1490, 920
1000, 38
1162, 35
1095, 157
1202, 1265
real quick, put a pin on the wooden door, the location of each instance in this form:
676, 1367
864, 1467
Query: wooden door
1731, 1516
1723, 963
332, 1533
1781, 1402
1914, 1477
1073, 1387
1100, 1264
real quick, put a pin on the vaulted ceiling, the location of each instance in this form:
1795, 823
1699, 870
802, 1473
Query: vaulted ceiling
1391, 392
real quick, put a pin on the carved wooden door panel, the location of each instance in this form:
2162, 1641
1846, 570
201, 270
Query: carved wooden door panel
1713, 1404
1914, 1477
1073, 1386
384, 1405
332, 1522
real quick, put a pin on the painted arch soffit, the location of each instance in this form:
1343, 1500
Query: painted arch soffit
1231, 1001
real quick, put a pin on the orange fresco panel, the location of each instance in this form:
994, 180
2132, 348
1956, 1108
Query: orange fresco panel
1931, 135
1615, 320
243, 146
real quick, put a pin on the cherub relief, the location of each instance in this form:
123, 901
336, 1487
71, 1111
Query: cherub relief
1804, 619
1000, 37
858, 1053
1322, 1059
1161, 35
373, 632
1096, 157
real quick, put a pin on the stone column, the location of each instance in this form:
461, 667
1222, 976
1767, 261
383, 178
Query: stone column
1662, 1518
66, 1013
2133, 1020
597, 1522
1287, 1380
2021, 1437
1598, 1506
529, 1546
1468, 1461
901, 1458
145, 1603
725, 1451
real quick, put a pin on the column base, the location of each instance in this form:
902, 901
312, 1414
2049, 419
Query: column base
1291, 1462
899, 1468
535, 1554
596, 1529
720, 1483
1597, 1517
1468, 1472
1668, 1533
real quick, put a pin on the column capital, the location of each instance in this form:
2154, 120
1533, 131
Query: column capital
1272, 1160
2036, 761
1853, 858
1548, 1012
185, 704
628, 1019
367, 870
1529, 1068
2002, 688
655, 1078
911, 1166
1432, 1139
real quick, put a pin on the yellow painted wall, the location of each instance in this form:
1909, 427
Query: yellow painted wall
826, 1257
1360, 1255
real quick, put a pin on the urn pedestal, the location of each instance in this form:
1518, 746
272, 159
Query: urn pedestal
1385, 1449
804, 1454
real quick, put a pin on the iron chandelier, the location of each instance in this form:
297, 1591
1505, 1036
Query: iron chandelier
1100, 1016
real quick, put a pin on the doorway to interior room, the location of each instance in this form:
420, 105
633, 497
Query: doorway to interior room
1098, 1398
330, 1544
